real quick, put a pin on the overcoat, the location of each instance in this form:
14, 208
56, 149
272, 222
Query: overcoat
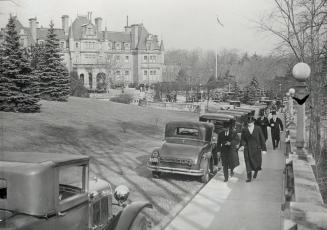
263, 124
229, 153
276, 126
253, 145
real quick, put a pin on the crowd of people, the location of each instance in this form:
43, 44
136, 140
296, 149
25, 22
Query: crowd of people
253, 142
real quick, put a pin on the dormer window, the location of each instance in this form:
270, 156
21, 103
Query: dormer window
109, 45
126, 45
117, 46
89, 31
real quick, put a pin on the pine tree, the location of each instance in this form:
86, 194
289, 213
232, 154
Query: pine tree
18, 87
54, 77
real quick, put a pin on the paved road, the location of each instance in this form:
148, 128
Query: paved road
236, 204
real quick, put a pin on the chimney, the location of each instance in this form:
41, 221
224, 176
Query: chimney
89, 16
127, 28
33, 28
64, 23
98, 24
135, 34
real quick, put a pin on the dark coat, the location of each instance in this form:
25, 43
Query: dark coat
276, 127
229, 153
253, 145
263, 124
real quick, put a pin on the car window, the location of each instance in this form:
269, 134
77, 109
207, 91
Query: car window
187, 132
3, 188
70, 181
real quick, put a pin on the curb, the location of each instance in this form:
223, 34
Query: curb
175, 211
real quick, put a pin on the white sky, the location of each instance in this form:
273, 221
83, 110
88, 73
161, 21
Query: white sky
185, 24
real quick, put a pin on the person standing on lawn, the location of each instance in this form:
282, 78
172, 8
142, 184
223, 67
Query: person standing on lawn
253, 143
263, 123
276, 125
227, 145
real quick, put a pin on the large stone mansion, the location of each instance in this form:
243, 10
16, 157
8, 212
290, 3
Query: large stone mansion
95, 54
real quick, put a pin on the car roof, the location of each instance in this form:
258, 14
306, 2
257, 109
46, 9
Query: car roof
37, 158
190, 124
217, 115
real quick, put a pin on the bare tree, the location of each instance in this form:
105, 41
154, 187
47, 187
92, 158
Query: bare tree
301, 26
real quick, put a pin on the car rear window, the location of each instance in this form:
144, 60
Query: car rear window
190, 132
3, 188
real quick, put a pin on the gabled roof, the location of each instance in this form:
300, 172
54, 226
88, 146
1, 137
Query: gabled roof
77, 26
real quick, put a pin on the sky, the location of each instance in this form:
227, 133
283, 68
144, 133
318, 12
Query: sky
182, 24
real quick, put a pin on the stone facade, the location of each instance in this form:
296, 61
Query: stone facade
102, 56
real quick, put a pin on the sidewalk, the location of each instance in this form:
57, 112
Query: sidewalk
237, 204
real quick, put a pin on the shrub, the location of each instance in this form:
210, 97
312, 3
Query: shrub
122, 98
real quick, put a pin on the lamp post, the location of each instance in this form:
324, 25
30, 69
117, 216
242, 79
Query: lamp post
301, 71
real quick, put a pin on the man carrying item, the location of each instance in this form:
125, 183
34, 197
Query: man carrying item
253, 142
263, 123
276, 125
227, 145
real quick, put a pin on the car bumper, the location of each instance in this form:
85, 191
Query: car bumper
191, 172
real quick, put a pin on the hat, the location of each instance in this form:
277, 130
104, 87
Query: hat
226, 124
273, 112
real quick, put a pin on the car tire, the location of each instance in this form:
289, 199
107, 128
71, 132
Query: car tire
205, 166
141, 222
156, 175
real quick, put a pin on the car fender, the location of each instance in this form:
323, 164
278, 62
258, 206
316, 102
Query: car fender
129, 214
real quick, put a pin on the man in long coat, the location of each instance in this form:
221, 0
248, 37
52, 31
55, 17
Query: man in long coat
227, 144
263, 123
276, 125
254, 144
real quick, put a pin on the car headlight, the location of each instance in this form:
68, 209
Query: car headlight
154, 157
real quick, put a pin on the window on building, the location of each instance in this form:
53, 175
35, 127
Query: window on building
109, 45
126, 45
117, 58
153, 58
145, 58
89, 31
118, 46
117, 72
145, 72
127, 59
126, 72
76, 44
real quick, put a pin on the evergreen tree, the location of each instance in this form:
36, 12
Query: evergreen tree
18, 87
54, 77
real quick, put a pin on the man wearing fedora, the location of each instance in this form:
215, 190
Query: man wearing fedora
227, 145
263, 123
276, 126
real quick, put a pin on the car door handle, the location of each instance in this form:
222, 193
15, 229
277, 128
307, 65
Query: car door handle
61, 214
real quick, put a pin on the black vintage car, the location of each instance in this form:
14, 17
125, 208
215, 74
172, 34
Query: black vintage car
187, 149
218, 120
239, 116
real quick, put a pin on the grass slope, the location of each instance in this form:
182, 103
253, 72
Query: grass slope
117, 137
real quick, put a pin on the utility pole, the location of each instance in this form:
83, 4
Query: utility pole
216, 64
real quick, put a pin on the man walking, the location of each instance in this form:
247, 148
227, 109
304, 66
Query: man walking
263, 123
254, 145
276, 125
227, 144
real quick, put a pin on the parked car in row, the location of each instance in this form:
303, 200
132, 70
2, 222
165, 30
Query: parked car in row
239, 116
53, 191
187, 149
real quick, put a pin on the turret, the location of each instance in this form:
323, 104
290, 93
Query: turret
33, 28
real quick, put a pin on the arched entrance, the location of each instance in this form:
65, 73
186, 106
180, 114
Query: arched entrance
101, 82
81, 78
90, 81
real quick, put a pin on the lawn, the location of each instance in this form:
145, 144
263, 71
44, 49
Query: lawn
117, 137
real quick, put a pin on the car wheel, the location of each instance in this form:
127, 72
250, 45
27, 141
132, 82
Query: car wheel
156, 174
141, 222
206, 176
